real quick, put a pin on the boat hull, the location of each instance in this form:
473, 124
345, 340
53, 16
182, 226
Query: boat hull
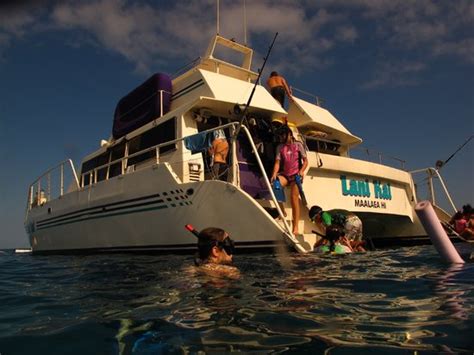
148, 209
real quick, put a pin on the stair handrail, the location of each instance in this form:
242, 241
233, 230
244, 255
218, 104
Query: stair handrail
430, 172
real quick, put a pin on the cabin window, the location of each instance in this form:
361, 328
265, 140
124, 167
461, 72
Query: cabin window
162, 133
89, 166
102, 159
315, 145
116, 152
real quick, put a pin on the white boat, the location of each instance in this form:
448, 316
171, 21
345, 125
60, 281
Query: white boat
139, 189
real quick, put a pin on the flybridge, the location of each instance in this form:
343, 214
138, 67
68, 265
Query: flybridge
234, 51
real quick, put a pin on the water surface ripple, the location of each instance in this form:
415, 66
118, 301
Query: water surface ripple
392, 300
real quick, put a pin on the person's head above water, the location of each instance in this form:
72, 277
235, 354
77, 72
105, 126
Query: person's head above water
215, 246
273, 73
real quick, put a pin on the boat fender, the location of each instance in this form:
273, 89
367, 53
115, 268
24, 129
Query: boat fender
435, 231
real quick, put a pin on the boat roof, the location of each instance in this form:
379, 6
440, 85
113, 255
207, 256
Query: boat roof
308, 116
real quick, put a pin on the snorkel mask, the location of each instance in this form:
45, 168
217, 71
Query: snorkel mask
227, 244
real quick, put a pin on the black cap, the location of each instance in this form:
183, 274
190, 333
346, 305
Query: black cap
314, 211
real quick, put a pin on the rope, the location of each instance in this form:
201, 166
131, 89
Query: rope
441, 163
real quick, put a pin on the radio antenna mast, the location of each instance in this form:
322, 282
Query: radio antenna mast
217, 22
245, 24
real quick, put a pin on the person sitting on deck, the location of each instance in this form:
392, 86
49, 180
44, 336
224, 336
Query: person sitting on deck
219, 151
347, 221
293, 156
278, 88
215, 253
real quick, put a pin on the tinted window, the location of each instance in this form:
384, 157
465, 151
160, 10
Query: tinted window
94, 163
163, 133
116, 152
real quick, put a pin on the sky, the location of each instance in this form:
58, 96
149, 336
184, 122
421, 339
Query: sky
397, 73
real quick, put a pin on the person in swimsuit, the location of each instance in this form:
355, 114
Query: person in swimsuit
278, 88
292, 156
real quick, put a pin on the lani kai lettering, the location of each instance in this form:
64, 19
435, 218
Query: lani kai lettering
361, 188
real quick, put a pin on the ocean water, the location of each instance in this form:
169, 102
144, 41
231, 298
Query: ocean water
393, 301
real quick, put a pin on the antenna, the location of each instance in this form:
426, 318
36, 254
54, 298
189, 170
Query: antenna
245, 24
246, 108
217, 24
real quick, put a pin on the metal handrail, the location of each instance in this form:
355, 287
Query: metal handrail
434, 172
186, 67
319, 100
155, 147
380, 155
296, 244
47, 174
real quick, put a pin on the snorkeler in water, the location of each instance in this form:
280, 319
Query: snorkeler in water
215, 252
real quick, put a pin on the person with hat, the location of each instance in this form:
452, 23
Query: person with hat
291, 157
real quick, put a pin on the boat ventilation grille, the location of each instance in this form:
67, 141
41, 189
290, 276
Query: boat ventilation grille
194, 171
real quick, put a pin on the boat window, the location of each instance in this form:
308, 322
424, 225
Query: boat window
90, 165
102, 159
160, 134
116, 152
315, 145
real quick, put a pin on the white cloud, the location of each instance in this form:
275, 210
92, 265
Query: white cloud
394, 74
152, 33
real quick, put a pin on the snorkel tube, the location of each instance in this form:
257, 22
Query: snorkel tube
193, 230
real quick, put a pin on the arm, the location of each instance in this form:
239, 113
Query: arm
287, 88
303, 168
304, 158
276, 169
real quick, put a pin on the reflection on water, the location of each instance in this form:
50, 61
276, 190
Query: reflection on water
138, 304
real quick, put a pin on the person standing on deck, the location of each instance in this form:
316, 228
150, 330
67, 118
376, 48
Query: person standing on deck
219, 151
293, 156
278, 88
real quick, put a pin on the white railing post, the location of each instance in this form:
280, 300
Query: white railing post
62, 179
430, 184
49, 186
32, 189
38, 192
445, 190
161, 103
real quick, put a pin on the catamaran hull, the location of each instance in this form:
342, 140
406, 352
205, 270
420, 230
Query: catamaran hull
148, 209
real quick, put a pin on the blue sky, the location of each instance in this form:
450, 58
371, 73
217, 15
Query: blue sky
397, 73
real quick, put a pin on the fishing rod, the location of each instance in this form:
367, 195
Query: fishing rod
441, 163
247, 105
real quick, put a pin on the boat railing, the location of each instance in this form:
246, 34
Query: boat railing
431, 174
314, 98
94, 173
377, 156
186, 67
50, 185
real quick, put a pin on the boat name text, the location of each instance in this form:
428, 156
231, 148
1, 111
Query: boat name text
362, 188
